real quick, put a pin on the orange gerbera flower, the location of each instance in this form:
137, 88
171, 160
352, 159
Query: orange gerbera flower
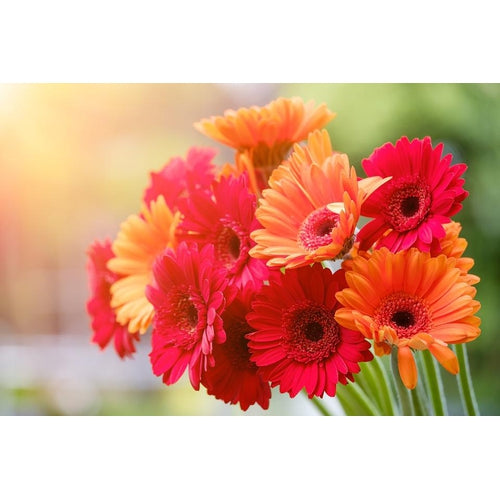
311, 209
139, 242
453, 246
410, 300
262, 136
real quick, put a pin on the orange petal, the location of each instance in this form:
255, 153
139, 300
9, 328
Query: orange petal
345, 317
371, 184
407, 367
420, 341
386, 333
381, 348
446, 357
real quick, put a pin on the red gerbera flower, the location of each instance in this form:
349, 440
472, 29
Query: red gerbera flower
424, 192
179, 176
234, 378
103, 317
226, 220
188, 301
297, 343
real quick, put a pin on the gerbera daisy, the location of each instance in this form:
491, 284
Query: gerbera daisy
140, 240
178, 176
264, 135
424, 192
226, 220
189, 296
453, 246
234, 378
410, 300
297, 343
311, 209
104, 324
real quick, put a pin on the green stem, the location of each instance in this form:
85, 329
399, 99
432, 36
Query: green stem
368, 382
434, 384
354, 400
348, 404
465, 381
385, 387
403, 393
319, 405
419, 394
417, 398
363, 399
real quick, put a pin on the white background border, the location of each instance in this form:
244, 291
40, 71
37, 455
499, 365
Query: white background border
229, 41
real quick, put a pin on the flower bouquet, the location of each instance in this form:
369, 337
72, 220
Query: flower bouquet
257, 274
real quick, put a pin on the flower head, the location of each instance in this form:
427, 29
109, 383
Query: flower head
264, 135
234, 378
410, 300
104, 324
189, 295
225, 220
424, 192
297, 343
179, 176
140, 240
310, 211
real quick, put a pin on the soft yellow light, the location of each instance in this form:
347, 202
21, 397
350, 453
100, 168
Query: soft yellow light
9, 94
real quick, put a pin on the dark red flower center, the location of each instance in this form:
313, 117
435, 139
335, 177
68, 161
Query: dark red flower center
232, 243
316, 229
178, 316
403, 319
227, 246
313, 331
410, 206
405, 313
312, 334
236, 345
407, 204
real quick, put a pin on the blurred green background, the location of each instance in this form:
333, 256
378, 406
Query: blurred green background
74, 160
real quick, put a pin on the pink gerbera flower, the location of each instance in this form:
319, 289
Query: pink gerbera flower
225, 220
297, 343
424, 192
234, 378
104, 324
188, 300
178, 176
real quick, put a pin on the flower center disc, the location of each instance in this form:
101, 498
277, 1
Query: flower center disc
227, 246
408, 204
311, 332
406, 314
178, 317
316, 229
404, 319
184, 313
236, 345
